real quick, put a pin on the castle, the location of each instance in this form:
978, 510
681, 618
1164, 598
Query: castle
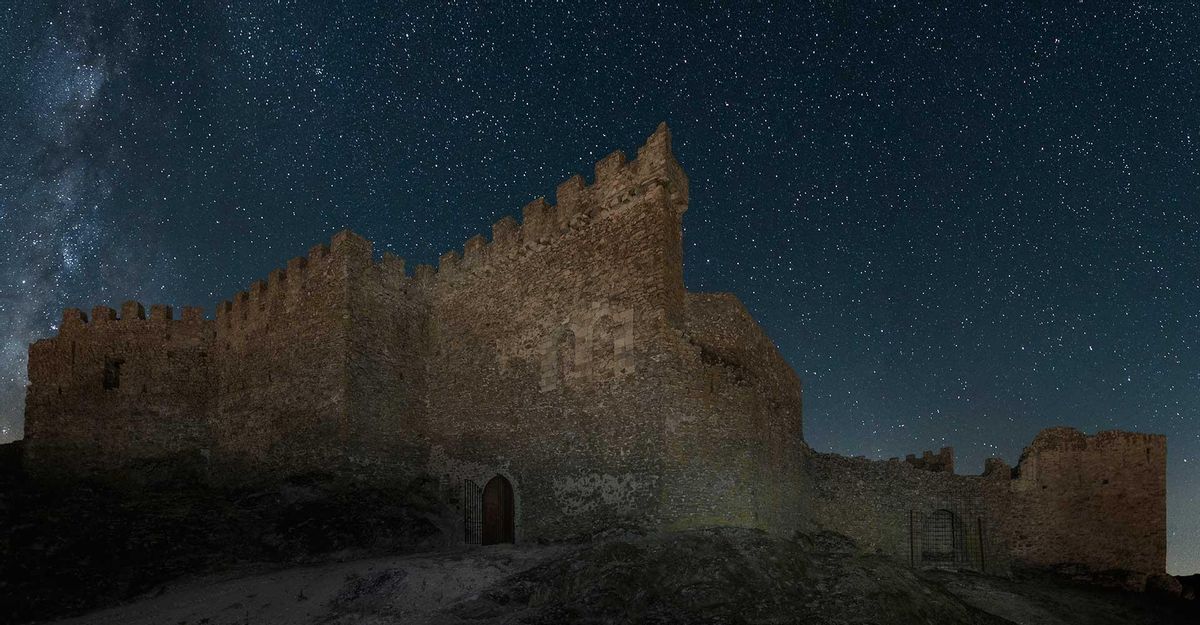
556, 380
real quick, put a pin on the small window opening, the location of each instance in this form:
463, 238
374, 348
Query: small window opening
112, 373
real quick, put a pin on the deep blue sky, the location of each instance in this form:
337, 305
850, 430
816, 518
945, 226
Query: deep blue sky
960, 225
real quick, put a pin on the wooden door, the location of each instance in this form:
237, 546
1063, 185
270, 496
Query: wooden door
497, 511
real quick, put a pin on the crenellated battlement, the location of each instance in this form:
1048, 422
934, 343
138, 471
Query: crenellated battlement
108, 356
325, 287
262, 299
616, 181
542, 224
291, 286
941, 462
132, 312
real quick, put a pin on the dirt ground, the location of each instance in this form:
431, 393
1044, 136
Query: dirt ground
710, 576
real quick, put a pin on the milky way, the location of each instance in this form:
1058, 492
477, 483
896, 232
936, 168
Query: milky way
56, 182
960, 226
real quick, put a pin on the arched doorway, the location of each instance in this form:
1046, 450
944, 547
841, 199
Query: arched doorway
948, 539
942, 539
497, 511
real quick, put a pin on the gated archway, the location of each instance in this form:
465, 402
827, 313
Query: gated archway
498, 512
941, 539
946, 538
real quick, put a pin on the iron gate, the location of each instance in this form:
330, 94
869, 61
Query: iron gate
950, 536
472, 502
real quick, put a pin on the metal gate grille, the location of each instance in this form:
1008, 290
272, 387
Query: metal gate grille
942, 539
472, 502
951, 536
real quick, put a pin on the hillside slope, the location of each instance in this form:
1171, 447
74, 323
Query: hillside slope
709, 576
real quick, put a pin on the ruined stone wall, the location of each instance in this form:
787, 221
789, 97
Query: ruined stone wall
1099, 501
739, 355
1096, 501
942, 461
112, 390
886, 507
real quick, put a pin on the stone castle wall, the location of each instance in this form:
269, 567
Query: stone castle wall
888, 507
389, 356
284, 350
542, 339
1095, 500
565, 355
561, 359
744, 409
110, 390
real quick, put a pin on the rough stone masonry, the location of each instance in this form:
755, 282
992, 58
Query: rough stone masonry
557, 374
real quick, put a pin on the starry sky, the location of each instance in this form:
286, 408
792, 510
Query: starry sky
960, 224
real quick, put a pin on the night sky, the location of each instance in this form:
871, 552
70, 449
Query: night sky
960, 225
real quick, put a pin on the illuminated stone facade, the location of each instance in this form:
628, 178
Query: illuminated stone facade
565, 356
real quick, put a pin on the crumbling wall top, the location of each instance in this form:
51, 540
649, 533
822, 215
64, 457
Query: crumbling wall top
941, 462
1067, 439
